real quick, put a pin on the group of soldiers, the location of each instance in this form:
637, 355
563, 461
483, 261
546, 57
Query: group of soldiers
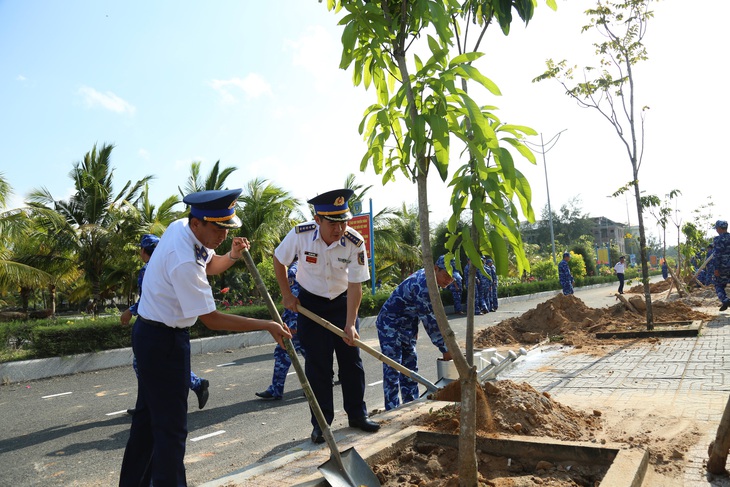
485, 289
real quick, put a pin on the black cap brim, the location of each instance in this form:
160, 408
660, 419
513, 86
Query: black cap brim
234, 222
343, 217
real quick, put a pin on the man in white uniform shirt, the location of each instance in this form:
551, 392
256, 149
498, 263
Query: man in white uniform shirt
332, 266
176, 293
620, 269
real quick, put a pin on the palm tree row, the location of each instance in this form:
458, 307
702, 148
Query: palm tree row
85, 247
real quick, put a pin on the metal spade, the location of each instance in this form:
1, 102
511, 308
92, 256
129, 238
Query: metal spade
346, 469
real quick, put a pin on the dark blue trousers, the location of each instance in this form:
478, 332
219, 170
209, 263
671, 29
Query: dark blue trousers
319, 345
156, 446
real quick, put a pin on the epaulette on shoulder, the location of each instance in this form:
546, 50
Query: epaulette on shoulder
352, 238
305, 227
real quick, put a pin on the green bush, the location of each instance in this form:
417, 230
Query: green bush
16, 334
544, 270
80, 336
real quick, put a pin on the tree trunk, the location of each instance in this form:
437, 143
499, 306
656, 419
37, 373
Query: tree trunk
644, 258
52, 292
24, 298
468, 462
719, 448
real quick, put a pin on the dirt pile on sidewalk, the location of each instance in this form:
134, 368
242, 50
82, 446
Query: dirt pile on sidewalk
517, 408
520, 410
568, 320
654, 288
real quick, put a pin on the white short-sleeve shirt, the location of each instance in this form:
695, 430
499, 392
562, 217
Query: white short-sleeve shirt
325, 270
176, 289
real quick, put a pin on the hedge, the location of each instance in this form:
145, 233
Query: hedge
60, 337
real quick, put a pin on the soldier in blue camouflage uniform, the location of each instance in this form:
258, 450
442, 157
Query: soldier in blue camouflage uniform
456, 287
721, 257
397, 325
282, 361
566, 278
492, 270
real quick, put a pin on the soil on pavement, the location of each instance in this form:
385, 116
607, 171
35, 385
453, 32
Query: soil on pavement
517, 409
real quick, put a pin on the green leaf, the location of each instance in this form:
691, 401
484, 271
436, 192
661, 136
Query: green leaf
521, 148
470, 72
500, 254
524, 195
366, 71
349, 37
467, 57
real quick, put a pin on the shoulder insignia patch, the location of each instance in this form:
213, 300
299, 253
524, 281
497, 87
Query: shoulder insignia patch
352, 238
201, 255
305, 227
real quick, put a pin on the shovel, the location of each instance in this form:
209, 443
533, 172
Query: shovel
348, 469
386, 360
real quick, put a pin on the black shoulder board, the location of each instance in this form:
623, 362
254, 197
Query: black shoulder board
305, 227
353, 239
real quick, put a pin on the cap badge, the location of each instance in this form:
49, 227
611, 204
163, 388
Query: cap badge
339, 201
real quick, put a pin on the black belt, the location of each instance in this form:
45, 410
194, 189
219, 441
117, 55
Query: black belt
307, 293
159, 324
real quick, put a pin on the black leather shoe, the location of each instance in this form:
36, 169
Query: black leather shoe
202, 393
364, 424
268, 396
724, 305
317, 436
130, 411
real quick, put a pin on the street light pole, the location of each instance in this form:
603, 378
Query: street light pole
543, 151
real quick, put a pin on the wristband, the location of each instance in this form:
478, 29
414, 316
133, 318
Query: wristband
231, 257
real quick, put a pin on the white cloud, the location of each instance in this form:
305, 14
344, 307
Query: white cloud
20, 77
253, 86
108, 101
144, 154
317, 52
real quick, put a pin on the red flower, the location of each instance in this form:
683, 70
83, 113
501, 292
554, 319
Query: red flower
225, 290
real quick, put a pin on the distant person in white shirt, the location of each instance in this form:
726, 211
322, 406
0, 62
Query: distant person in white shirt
620, 268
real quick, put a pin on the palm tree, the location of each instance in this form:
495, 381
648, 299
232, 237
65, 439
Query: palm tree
15, 272
216, 179
268, 214
14, 226
153, 219
401, 241
92, 214
5, 191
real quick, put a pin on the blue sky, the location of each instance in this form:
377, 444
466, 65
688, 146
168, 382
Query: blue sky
256, 85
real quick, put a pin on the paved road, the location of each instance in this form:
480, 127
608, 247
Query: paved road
72, 430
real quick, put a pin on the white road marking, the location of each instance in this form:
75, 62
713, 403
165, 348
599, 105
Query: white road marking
56, 395
123, 411
375, 383
216, 433
226, 365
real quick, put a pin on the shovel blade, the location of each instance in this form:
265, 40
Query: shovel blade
351, 471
